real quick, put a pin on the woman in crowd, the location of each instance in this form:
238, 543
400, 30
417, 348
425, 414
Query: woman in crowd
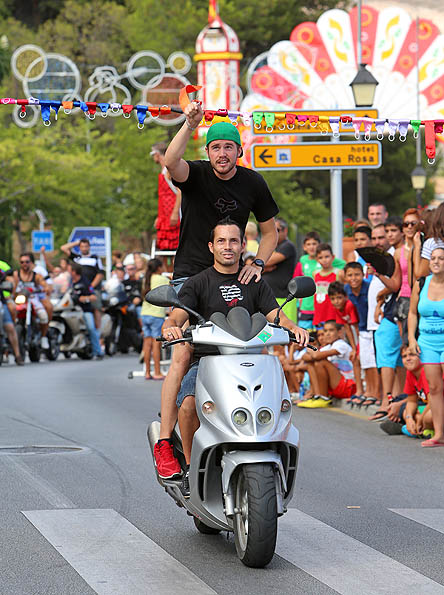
428, 302
404, 257
433, 236
152, 319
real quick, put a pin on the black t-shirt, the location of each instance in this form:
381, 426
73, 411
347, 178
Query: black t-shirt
206, 199
211, 291
91, 265
278, 278
81, 288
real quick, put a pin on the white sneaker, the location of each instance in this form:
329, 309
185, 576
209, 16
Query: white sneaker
44, 343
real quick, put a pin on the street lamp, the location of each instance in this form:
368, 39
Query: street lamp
419, 179
364, 87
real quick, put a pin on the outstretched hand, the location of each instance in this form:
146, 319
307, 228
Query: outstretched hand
194, 114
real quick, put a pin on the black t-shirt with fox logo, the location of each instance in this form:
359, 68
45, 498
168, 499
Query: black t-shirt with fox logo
211, 291
206, 199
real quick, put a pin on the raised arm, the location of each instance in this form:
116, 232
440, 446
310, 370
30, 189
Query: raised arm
66, 248
176, 165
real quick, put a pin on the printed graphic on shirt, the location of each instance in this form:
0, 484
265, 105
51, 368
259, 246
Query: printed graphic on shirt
232, 294
224, 206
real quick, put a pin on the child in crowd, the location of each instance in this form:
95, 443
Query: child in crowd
347, 315
357, 292
362, 238
252, 235
414, 411
152, 319
308, 266
323, 309
294, 367
330, 370
394, 231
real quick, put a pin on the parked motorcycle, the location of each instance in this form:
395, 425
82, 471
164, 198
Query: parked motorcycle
245, 453
122, 330
68, 332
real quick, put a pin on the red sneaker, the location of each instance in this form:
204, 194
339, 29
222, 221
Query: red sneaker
166, 463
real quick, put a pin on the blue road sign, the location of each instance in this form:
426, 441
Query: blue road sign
42, 238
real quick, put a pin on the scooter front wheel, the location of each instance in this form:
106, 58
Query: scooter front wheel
255, 525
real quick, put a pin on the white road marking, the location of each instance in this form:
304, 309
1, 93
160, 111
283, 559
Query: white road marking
430, 517
43, 487
112, 555
344, 563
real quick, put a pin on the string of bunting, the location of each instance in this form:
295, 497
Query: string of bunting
272, 121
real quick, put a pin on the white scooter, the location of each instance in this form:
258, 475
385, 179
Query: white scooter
245, 453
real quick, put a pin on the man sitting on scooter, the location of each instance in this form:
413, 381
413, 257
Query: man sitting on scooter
217, 289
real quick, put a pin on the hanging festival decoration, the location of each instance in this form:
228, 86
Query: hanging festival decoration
264, 122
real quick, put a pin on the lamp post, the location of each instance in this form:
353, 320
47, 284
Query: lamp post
363, 88
419, 178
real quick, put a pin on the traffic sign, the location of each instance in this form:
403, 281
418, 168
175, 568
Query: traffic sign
365, 155
42, 238
280, 123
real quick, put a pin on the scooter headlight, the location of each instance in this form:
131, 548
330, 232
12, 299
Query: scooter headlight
208, 407
240, 417
20, 299
285, 405
264, 416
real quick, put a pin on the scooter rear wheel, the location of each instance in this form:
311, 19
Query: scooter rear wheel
203, 528
255, 523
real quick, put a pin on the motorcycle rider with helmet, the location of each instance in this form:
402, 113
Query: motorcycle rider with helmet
6, 274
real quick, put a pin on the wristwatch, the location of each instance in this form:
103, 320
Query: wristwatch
259, 263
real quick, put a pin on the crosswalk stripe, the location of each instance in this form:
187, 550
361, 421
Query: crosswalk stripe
430, 517
344, 563
112, 555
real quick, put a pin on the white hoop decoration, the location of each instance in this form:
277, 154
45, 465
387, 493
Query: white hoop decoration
31, 60
177, 57
367, 136
140, 126
324, 132
126, 115
415, 134
391, 137
269, 128
336, 135
431, 161
155, 72
403, 138
257, 126
47, 123
290, 126
357, 135
22, 114
66, 111
380, 136
282, 126
313, 124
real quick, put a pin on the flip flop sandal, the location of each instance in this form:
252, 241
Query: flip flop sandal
356, 400
379, 415
369, 401
431, 442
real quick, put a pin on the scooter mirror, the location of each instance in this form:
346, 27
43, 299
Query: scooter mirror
163, 296
301, 287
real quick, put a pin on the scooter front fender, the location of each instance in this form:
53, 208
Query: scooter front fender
233, 459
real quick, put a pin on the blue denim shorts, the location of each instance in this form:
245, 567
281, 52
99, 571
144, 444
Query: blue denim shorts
188, 386
7, 319
152, 326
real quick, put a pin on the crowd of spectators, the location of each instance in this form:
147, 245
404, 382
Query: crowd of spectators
377, 320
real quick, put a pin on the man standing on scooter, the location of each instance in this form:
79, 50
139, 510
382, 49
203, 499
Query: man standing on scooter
211, 190
217, 289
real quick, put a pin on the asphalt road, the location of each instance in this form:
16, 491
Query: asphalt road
96, 520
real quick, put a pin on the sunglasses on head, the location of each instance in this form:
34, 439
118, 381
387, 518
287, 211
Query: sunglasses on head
409, 223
